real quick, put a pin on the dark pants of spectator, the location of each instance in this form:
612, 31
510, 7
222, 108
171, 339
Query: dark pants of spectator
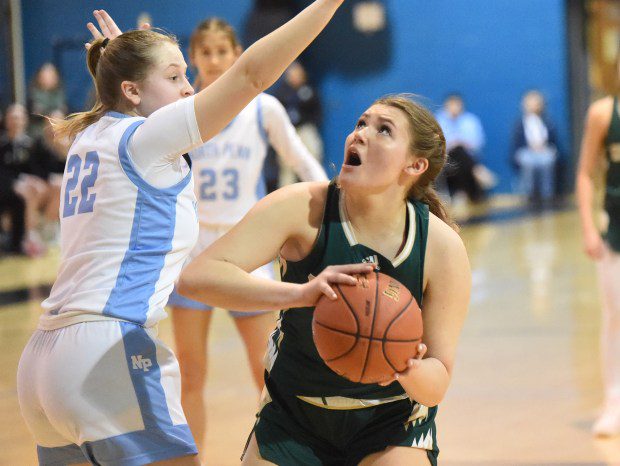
459, 174
16, 208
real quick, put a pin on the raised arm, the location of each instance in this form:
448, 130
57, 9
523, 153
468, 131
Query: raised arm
220, 275
287, 144
596, 127
259, 67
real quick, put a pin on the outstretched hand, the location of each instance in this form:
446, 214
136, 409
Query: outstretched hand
109, 29
412, 365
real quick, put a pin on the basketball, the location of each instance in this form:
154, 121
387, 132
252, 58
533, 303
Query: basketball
370, 331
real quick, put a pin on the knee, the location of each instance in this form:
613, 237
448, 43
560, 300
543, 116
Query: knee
193, 372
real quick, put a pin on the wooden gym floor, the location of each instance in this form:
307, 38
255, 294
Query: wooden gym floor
527, 383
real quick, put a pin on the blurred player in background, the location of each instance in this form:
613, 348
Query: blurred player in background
602, 136
228, 182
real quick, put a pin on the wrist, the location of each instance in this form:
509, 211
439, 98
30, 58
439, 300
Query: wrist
294, 296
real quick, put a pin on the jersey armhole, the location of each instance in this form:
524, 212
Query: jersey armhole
318, 247
133, 174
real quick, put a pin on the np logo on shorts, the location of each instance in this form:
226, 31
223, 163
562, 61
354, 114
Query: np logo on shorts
138, 362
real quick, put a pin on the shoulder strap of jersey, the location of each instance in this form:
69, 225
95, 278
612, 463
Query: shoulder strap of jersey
421, 222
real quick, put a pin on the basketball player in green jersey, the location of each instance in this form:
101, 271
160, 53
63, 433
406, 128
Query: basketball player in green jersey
375, 215
602, 136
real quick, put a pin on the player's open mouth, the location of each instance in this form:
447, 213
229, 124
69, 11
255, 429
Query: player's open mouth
352, 159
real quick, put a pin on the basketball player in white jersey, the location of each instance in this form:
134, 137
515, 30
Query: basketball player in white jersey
228, 182
95, 384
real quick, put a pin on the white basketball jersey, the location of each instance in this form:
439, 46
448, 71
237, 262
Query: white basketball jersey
228, 168
123, 241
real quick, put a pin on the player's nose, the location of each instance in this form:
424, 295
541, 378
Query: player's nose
188, 90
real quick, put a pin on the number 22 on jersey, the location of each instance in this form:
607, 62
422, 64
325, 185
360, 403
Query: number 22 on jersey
81, 200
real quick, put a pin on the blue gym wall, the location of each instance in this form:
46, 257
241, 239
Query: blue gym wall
490, 51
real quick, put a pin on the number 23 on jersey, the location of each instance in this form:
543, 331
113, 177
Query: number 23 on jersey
81, 200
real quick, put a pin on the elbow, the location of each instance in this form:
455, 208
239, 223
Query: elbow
429, 399
254, 75
433, 401
187, 286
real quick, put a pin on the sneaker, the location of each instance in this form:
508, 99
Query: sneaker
608, 423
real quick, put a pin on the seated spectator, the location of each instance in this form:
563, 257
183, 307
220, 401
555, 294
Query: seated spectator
49, 155
21, 191
465, 176
535, 150
303, 106
45, 95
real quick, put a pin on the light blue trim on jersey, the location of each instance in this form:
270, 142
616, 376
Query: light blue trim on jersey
150, 241
132, 449
132, 173
59, 456
114, 114
141, 356
261, 187
259, 118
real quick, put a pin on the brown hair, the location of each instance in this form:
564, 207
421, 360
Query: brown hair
428, 141
128, 57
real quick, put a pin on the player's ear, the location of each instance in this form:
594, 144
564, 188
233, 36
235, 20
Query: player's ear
417, 166
238, 50
131, 92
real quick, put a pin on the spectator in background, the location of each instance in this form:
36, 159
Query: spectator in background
535, 150
45, 95
303, 106
21, 192
49, 155
466, 177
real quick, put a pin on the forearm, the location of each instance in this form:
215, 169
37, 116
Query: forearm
428, 383
296, 155
585, 196
267, 58
222, 284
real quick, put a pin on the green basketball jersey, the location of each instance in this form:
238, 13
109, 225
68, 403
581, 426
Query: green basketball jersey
293, 362
612, 185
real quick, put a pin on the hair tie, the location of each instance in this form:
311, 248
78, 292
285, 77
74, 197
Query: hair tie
105, 43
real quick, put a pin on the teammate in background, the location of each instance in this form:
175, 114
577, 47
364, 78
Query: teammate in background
95, 384
602, 136
377, 211
228, 182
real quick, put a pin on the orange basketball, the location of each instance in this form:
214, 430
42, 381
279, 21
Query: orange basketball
370, 331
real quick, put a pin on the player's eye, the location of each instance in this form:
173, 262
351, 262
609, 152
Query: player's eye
384, 129
360, 124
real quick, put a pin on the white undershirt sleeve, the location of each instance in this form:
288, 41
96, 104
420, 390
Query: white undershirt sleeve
157, 145
286, 142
